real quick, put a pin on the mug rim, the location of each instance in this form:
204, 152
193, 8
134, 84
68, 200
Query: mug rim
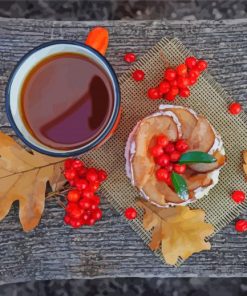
110, 123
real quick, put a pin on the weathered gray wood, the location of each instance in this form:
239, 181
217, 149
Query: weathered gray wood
111, 248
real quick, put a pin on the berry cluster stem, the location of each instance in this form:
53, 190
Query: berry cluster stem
57, 192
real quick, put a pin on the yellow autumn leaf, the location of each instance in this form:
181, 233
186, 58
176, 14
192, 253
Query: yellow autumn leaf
180, 231
23, 177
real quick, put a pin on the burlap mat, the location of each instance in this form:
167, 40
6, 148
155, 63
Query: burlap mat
207, 98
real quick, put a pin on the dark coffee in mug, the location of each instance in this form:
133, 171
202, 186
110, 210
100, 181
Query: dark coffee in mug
66, 101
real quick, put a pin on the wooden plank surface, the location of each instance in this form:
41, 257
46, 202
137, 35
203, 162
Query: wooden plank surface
111, 248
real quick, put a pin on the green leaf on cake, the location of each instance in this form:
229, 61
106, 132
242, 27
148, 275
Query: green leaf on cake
180, 186
196, 157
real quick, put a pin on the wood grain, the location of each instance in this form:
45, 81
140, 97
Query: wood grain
111, 248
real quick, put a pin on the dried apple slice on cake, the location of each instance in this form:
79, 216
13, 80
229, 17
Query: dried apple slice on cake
209, 167
187, 119
203, 136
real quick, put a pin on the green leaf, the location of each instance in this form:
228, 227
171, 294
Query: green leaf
180, 186
196, 157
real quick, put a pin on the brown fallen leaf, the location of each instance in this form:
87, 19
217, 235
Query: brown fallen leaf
180, 231
245, 163
23, 177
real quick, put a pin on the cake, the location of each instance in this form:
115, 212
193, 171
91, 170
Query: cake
175, 122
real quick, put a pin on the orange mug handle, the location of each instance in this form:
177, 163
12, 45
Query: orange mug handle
98, 39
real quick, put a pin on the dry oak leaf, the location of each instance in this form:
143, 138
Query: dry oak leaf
180, 231
23, 177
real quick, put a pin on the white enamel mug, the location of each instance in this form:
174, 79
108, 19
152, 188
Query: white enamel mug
23, 68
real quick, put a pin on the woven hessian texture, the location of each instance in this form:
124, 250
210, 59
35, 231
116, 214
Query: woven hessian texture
207, 98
